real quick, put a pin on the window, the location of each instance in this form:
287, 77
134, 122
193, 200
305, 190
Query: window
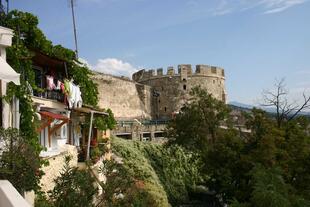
38, 79
213, 69
184, 79
165, 109
43, 136
159, 101
184, 87
38, 76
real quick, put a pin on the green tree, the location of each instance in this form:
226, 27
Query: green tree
198, 122
19, 161
73, 188
120, 188
266, 166
159, 170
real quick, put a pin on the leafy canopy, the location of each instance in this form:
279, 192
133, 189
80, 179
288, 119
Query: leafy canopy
266, 166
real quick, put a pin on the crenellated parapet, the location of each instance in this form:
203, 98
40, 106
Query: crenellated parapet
183, 70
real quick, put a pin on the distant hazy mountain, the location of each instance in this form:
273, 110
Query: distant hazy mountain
247, 107
241, 105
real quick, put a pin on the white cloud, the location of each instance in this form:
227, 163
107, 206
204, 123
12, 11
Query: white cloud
224, 7
112, 66
275, 6
303, 72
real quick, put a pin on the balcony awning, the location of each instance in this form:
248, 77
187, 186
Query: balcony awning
53, 115
48, 118
7, 73
91, 111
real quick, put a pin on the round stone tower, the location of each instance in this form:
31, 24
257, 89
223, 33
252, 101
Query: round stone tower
171, 90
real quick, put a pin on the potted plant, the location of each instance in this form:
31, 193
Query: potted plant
95, 154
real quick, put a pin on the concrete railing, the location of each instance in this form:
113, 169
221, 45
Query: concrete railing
9, 196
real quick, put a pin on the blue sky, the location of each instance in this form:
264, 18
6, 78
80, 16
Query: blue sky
256, 41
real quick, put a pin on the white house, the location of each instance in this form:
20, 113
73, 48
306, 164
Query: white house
9, 111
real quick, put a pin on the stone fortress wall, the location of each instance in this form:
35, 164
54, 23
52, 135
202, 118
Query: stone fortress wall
127, 99
154, 95
171, 90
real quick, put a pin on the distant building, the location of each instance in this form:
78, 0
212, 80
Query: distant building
171, 91
9, 111
153, 95
143, 105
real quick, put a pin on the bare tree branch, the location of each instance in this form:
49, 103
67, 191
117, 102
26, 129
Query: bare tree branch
279, 99
305, 105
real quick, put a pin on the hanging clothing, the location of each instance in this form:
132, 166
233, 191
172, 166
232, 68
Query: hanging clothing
74, 98
50, 82
58, 85
67, 86
71, 95
78, 102
77, 134
62, 87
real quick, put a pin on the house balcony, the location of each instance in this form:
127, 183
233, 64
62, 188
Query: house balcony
52, 95
50, 99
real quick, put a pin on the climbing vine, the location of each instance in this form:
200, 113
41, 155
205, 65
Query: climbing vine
105, 122
27, 40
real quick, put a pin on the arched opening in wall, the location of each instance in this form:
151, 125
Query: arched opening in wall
165, 109
159, 101
184, 79
184, 87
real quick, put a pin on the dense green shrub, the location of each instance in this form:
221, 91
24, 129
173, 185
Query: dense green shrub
168, 173
73, 188
268, 165
19, 161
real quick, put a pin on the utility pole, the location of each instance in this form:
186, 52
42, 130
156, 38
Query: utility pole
2, 8
7, 6
74, 28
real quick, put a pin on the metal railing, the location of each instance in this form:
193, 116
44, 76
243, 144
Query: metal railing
53, 95
143, 122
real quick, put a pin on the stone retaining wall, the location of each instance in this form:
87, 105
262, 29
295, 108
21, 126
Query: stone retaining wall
56, 164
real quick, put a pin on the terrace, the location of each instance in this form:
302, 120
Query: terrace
49, 75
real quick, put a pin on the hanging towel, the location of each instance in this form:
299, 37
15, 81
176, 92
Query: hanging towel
50, 82
58, 85
62, 87
67, 86
78, 98
71, 95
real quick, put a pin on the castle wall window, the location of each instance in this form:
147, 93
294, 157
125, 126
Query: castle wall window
165, 109
184, 87
213, 70
159, 101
